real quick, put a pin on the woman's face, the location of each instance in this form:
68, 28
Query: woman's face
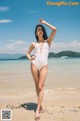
39, 31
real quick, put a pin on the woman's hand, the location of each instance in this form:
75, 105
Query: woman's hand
32, 58
42, 21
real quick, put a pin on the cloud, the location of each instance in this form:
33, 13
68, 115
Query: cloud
15, 44
4, 8
19, 42
60, 46
10, 46
75, 44
20, 46
66, 44
5, 21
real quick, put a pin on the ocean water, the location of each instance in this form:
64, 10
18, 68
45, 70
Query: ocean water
62, 73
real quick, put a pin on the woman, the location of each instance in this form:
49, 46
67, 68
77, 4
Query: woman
39, 62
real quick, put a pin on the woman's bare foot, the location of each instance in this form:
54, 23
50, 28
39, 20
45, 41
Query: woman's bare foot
37, 116
42, 109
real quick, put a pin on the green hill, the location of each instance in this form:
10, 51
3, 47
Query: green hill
60, 54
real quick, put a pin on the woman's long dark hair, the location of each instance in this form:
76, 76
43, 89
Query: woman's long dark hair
44, 32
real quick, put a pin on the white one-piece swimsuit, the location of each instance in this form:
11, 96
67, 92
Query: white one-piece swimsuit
41, 55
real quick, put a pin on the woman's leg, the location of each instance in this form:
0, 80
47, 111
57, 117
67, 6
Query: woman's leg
42, 78
35, 74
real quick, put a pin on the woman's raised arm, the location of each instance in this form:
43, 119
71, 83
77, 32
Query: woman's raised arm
51, 27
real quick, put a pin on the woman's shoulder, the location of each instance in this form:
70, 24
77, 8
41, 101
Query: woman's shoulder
34, 43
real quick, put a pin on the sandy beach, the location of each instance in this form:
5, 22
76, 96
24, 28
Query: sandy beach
61, 95
61, 105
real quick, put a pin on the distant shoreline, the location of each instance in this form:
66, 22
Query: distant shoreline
62, 54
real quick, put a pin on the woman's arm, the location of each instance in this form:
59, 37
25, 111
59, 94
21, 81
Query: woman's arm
29, 51
53, 30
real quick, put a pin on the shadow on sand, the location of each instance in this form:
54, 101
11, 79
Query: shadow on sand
29, 106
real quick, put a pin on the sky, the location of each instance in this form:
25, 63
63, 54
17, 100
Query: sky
18, 19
